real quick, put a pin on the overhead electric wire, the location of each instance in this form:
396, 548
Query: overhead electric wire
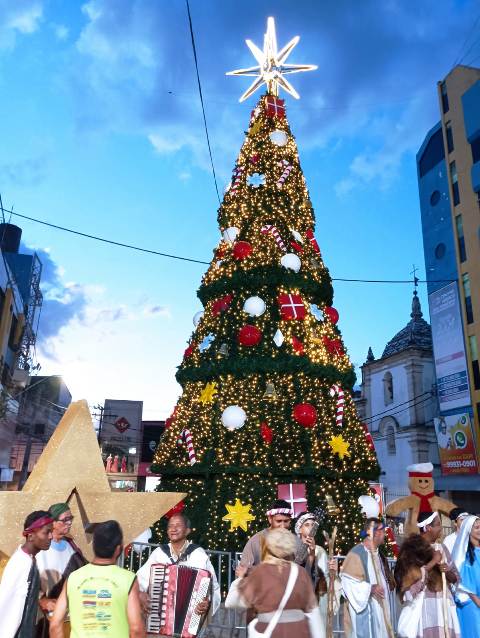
428, 398
149, 251
419, 396
201, 99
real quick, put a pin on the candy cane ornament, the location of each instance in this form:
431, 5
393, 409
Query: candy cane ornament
337, 390
273, 230
236, 179
287, 169
186, 437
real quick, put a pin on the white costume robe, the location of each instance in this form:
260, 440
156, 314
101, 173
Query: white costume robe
365, 611
13, 592
52, 564
197, 558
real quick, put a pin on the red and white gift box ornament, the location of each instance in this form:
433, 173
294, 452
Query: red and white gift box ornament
291, 306
275, 107
269, 229
296, 496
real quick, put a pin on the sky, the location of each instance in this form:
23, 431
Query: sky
102, 131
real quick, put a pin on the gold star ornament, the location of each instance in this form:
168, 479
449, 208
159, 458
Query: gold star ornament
271, 64
71, 470
208, 393
339, 446
238, 515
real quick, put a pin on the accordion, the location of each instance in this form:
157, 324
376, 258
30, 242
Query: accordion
175, 591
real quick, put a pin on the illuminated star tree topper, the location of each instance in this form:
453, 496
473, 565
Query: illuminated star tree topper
271, 65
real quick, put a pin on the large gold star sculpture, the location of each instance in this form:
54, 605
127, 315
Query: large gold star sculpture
238, 515
71, 470
271, 64
339, 446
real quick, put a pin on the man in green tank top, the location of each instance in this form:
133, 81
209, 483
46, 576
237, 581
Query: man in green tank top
102, 599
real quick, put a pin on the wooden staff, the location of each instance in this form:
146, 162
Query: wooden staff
384, 603
446, 629
331, 582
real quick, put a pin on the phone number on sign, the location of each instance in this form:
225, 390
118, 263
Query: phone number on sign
468, 463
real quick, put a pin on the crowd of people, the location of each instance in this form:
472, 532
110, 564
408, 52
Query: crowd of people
288, 584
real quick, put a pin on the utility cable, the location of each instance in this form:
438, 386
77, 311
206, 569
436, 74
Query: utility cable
429, 398
149, 251
201, 99
374, 416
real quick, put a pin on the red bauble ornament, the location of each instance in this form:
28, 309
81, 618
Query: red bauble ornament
169, 421
266, 432
305, 414
297, 345
177, 509
333, 346
241, 249
331, 313
249, 335
221, 304
189, 351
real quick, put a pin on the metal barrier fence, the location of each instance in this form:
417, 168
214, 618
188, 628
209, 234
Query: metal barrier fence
224, 564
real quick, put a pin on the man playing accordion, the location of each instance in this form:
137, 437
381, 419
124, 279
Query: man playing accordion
182, 552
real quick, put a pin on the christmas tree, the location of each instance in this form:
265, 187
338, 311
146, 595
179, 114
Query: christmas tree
266, 409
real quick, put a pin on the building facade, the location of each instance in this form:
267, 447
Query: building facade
448, 169
398, 403
20, 302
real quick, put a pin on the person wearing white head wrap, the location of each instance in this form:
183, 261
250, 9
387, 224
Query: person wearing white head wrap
318, 564
466, 556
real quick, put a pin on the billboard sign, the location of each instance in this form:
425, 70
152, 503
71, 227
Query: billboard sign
449, 348
456, 445
121, 433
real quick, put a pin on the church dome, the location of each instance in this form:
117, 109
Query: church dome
416, 334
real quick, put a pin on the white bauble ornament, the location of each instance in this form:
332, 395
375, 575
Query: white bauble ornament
290, 261
369, 506
254, 306
197, 317
279, 137
230, 234
234, 417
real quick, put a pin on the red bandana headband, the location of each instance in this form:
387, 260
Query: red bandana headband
420, 474
40, 522
286, 511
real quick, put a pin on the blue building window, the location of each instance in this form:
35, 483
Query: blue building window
454, 178
434, 198
448, 131
444, 93
468, 297
460, 238
475, 146
472, 339
433, 154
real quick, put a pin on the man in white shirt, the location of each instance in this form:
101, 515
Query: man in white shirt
180, 550
457, 516
56, 564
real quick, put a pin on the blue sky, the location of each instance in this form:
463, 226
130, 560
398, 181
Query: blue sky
101, 131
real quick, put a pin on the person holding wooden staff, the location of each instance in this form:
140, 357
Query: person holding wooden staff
324, 569
424, 574
366, 583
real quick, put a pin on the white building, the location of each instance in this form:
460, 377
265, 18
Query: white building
398, 402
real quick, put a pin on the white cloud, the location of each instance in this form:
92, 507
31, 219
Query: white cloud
26, 20
61, 31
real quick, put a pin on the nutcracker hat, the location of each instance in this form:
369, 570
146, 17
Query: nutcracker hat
420, 469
